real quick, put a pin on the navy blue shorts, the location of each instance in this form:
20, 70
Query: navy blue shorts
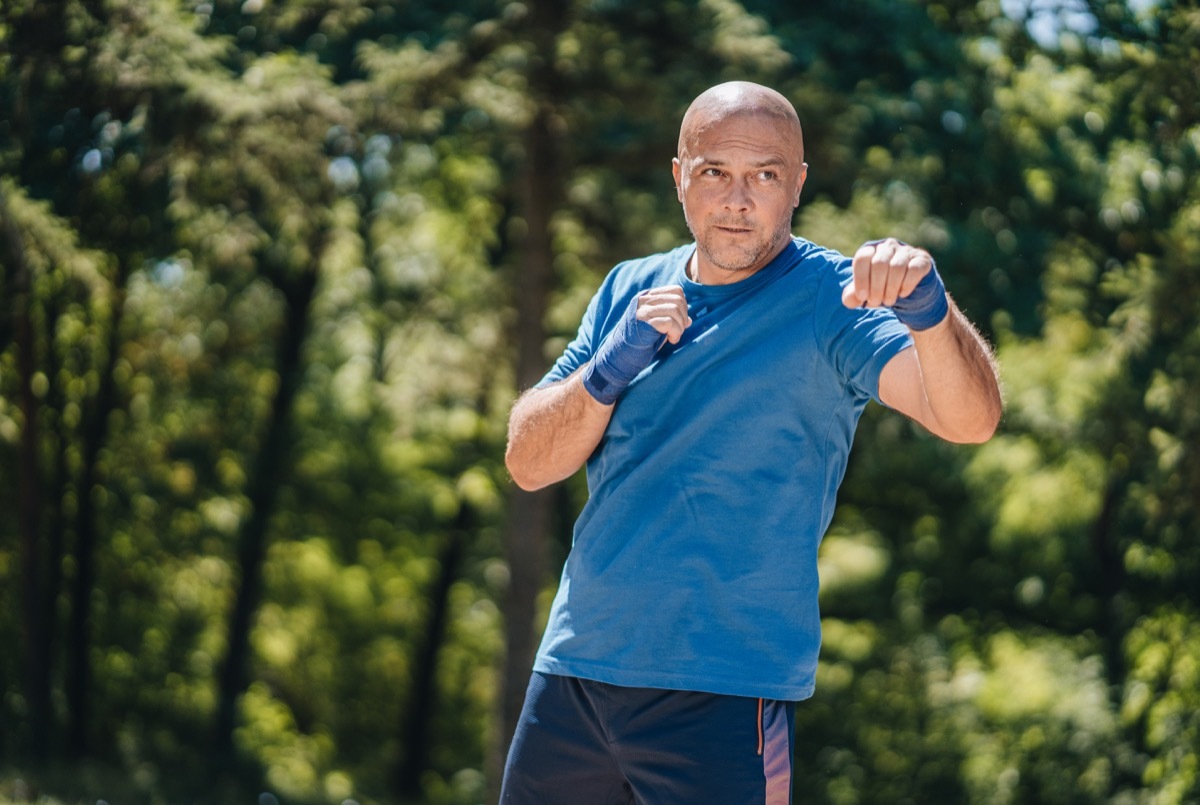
580, 742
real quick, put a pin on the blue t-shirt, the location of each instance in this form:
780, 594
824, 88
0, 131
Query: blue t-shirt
694, 562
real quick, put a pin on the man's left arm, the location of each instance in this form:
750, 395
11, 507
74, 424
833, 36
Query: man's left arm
948, 382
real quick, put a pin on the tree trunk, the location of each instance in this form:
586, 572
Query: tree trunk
529, 513
262, 493
418, 717
95, 434
1114, 623
29, 490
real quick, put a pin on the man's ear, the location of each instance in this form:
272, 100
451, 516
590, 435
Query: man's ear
677, 172
800, 183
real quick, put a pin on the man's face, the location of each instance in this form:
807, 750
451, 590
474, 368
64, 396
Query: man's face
739, 181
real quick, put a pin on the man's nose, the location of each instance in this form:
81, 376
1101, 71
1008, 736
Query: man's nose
738, 198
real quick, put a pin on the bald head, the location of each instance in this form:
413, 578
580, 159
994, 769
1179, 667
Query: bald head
733, 99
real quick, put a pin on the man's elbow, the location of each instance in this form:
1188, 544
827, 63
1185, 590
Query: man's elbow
982, 429
977, 436
524, 473
527, 482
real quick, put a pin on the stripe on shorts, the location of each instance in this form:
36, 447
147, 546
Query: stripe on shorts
775, 738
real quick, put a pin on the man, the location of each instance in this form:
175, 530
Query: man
713, 393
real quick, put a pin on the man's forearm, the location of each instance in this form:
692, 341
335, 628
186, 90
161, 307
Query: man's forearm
960, 380
552, 431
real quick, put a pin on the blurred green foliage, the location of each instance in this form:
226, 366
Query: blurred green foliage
262, 274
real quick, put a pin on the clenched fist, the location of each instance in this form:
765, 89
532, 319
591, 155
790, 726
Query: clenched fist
890, 273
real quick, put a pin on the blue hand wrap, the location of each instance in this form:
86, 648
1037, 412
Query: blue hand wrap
926, 306
627, 350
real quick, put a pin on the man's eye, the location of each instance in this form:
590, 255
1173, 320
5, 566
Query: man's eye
710, 172
768, 176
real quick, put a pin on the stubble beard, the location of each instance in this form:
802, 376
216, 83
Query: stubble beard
738, 258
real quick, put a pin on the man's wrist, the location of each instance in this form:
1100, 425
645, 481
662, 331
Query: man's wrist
927, 306
625, 352
602, 389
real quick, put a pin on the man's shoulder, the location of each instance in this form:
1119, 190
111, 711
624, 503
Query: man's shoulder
820, 256
640, 273
663, 262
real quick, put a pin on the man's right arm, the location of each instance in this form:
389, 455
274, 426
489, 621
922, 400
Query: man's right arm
551, 432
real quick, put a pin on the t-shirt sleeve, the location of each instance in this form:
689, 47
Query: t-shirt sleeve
857, 343
605, 309
579, 351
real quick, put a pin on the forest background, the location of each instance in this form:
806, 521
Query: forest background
272, 271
